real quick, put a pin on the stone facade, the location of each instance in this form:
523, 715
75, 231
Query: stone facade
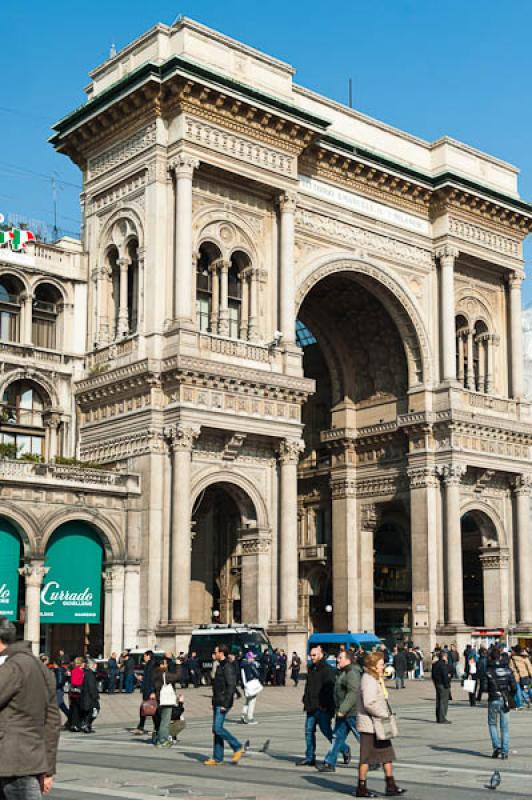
367, 463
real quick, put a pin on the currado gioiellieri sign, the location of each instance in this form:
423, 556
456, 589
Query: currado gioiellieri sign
71, 591
9, 564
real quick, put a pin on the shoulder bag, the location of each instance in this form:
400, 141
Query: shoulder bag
386, 727
168, 696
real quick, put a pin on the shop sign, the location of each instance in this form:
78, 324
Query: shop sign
71, 592
9, 564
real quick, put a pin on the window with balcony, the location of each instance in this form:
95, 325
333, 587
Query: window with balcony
22, 422
47, 301
10, 308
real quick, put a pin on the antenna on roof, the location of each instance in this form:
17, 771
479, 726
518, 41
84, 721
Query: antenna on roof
112, 51
350, 93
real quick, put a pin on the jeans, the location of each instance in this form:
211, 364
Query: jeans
111, 682
163, 734
399, 681
519, 697
316, 718
221, 735
341, 731
442, 703
60, 698
21, 788
129, 682
495, 716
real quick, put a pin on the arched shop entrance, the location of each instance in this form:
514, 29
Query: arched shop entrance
12, 586
71, 595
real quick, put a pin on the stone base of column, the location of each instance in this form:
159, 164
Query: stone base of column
291, 637
174, 636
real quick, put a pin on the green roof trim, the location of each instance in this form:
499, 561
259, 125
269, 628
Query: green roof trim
431, 181
161, 73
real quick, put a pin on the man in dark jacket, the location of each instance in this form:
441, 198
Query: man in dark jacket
29, 720
146, 687
129, 672
89, 700
400, 666
346, 689
442, 684
318, 703
482, 669
500, 685
223, 690
112, 673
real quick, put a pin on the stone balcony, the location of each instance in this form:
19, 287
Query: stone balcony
28, 352
116, 354
316, 553
70, 476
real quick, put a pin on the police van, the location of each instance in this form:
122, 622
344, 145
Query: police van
240, 639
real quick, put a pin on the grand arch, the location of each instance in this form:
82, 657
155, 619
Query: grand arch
240, 484
391, 293
109, 535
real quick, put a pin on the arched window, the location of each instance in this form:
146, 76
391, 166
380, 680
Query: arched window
45, 312
206, 282
239, 261
112, 263
462, 332
480, 351
133, 285
22, 422
10, 304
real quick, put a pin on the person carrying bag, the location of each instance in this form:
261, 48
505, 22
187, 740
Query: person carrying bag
164, 684
377, 726
252, 688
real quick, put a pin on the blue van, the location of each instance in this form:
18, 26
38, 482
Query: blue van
330, 642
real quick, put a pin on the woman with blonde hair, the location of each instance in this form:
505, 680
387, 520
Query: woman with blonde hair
376, 725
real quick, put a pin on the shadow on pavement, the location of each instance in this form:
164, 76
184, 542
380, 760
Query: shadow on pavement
330, 784
439, 748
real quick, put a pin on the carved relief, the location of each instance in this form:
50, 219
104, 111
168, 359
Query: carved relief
112, 158
484, 237
118, 191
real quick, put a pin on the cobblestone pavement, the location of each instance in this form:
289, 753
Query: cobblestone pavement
433, 760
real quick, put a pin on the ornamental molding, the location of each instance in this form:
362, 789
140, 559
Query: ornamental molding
181, 437
484, 237
382, 486
451, 474
385, 246
368, 517
252, 545
522, 484
183, 165
123, 151
494, 559
423, 477
34, 574
342, 488
130, 186
239, 147
115, 448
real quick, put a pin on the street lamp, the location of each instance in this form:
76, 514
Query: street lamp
215, 615
328, 609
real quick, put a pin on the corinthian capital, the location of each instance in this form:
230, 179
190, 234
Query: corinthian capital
34, 573
515, 280
422, 477
451, 474
290, 450
287, 202
183, 166
522, 484
181, 437
447, 253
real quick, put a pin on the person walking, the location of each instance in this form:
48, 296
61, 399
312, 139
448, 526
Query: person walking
295, 668
129, 673
442, 684
122, 671
252, 687
500, 685
410, 663
163, 684
400, 665
482, 669
89, 700
318, 703
146, 689
77, 676
522, 670
112, 672
346, 690
60, 678
373, 709
29, 720
223, 692
471, 674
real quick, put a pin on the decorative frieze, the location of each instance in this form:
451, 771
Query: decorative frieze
423, 477
321, 225
368, 517
484, 237
123, 151
130, 186
381, 486
117, 448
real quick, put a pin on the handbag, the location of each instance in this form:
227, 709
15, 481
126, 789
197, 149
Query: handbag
253, 687
168, 696
386, 727
148, 708
470, 685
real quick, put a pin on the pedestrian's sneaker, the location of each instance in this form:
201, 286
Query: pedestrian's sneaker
496, 753
166, 744
252, 722
347, 756
138, 732
211, 762
504, 755
325, 767
237, 755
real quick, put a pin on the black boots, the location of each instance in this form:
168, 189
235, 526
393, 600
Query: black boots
363, 791
392, 789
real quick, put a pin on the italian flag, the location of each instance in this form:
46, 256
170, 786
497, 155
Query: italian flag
20, 239
5, 237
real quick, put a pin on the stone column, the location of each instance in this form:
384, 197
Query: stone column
34, 574
183, 167
470, 371
491, 342
26, 319
256, 566
244, 312
522, 490
123, 316
181, 439
461, 357
447, 256
103, 333
287, 205
51, 423
253, 305
516, 340
424, 528
482, 342
156, 526
288, 550
452, 475
113, 631
215, 296
223, 315
345, 556
496, 587
368, 525
132, 599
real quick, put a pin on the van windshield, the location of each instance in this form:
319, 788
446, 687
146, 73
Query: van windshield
238, 643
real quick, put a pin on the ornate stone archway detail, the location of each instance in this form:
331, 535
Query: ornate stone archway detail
31, 374
111, 538
217, 476
394, 297
26, 526
483, 508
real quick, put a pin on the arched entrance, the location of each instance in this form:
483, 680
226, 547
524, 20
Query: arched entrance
392, 582
484, 568
230, 558
12, 585
72, 597
361, 348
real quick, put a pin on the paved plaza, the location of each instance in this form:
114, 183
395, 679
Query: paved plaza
433, 761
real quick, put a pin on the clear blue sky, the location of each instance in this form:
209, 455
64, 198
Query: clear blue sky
459, 67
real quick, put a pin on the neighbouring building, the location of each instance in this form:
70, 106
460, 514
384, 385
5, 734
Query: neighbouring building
304, 335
